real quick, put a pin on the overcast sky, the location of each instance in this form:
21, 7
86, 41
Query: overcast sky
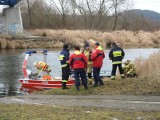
147, 5
142, 4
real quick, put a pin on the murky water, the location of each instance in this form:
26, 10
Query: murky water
11, 66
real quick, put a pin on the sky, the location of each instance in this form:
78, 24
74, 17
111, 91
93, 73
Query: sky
147, 5
141, 4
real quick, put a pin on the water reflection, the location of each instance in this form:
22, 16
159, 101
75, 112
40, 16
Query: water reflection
10, 70
11, 66
25, 90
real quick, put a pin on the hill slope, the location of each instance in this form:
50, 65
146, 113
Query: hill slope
147, 14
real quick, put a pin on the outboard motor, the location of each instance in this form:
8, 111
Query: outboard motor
32, 76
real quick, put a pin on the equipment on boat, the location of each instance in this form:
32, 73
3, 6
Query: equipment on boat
42, 81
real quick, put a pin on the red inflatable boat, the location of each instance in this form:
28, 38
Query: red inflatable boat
41, 82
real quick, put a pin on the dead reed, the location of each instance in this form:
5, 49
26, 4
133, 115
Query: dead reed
148, 66
77, 37
123, 38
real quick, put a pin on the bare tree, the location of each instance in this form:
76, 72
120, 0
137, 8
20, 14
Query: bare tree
79, 7
62, 8
102, 8
26, 10
29, 12
119, 8
82, 14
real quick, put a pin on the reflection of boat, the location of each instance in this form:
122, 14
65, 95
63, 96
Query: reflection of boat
40, 82
30, 89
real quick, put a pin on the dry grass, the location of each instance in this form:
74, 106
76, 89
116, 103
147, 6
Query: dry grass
11, 43
77, 37
150, 66
129, 86
123, 38
35, 112
7, 43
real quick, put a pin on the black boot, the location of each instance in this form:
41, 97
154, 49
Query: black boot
101, 83
64, 86
85, 87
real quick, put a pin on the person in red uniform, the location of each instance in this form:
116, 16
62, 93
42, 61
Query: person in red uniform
78, 63
97, 58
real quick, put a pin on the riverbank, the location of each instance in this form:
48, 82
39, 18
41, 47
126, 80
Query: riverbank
147, 82
146, 85
47, 38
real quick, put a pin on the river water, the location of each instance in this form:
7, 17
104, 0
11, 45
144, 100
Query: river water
11, 66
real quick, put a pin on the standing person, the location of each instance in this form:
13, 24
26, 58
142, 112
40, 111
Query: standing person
88, 53
116, 54
97, 58
64, 59
78, 62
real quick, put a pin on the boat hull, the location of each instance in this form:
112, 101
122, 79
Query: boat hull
45, 84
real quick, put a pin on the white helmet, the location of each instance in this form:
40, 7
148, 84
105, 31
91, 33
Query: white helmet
126, 61
35, 63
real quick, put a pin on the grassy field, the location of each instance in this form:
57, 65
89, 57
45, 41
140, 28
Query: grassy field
35, 112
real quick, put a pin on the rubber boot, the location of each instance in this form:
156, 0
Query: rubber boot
85, 87
64, 86
101, 83
95, 84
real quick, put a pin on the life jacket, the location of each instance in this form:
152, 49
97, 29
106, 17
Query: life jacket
116, 54
46, 77
64, 58
78, 60
97, 57
88, 54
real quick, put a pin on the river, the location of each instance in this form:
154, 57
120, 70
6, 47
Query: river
11, 66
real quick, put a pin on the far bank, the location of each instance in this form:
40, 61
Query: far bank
48, 38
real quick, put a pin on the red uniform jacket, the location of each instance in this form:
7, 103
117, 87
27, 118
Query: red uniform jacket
97, 57
78, 60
